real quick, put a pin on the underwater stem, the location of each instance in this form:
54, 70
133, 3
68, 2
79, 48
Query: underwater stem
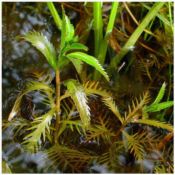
57, 104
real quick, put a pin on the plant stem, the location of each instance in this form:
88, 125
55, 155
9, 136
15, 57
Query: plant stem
98, 25
104, 43
57, 104
55, 15
134, 37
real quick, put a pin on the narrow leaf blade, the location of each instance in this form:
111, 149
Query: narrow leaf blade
89, 60
160, 94
158, 107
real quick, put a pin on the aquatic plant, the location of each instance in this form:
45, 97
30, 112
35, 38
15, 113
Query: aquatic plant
69, 131
69, 52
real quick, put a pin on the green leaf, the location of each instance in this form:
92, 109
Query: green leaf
134, 110
74, 46
135, 145
89, 60
113, 107
41, 42
5, 168
37, 86
160, 169
40, 125
55, 15
30, 86
78, 95
93, 87
67, 31
160, 94
78, 64
136, 34
158, 107
155, 123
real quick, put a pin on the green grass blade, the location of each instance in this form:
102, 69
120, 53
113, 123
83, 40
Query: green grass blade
112, 17
161, 17
55, 15
159, 106
98, 25
104, 42
134, 37
89, 60
160, 94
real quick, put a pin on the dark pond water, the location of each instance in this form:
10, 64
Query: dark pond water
19, 59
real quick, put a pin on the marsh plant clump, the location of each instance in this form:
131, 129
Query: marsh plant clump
97, 118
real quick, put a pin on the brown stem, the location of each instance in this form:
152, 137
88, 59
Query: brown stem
57, 104
119, 131
165, 140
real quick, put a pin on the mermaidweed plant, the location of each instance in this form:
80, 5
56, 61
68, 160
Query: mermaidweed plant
68, 127
70, 51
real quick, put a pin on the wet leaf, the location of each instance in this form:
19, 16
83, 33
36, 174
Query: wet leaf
67, 31
78, 95
74, 47
89, 60
159, 106
160, 94
40, 125
41, 42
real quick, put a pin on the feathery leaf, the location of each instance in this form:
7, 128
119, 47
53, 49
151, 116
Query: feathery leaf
135, 145
155, 123
40, 125
102, 130
93, 87
78, 95
41, 42
135, 110
65, 157
113, 107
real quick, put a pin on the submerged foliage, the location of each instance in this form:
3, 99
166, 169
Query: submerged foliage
83, 122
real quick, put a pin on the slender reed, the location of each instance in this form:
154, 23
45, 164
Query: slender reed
134, 37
